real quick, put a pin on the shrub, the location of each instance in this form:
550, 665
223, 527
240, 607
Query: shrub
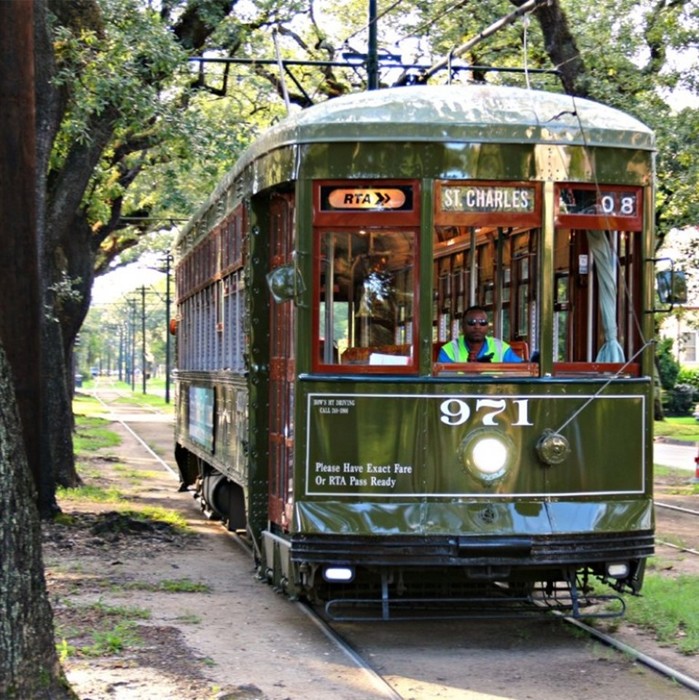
679, 401
691, 378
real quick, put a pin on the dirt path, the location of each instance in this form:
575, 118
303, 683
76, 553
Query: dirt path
147, 611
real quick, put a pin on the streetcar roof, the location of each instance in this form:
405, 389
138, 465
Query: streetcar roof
460, 113
451, 114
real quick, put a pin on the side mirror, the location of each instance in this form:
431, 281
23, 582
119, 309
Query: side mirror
672, 286
285, 283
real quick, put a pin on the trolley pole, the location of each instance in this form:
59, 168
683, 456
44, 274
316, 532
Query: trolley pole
372, 62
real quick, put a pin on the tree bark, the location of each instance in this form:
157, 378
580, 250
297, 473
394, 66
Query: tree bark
29, 666
561, 48
20, 303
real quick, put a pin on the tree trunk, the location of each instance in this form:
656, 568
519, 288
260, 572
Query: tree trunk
73, 258
29, 666
20, 302
561, 48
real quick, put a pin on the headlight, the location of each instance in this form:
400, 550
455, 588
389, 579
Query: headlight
486, 454
618, 569
338, 574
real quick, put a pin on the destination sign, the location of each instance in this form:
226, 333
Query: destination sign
481, 198
398, 198
598, 202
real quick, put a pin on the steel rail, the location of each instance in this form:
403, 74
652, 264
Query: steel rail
128, 428
677, 508
380, 683
663, 543
649, 661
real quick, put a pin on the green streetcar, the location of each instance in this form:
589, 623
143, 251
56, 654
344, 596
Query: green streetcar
315, 290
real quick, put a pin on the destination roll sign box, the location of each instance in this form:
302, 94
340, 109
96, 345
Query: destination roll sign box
376, 198
483, 198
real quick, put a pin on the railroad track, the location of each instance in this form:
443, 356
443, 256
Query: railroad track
381, 685
108, 395
637, 655
689, 511
679, 509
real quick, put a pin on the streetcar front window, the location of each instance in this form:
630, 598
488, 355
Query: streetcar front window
366, 297
493, 267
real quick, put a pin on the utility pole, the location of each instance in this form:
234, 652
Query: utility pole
131, 343
168, 263
121, 352
143, 339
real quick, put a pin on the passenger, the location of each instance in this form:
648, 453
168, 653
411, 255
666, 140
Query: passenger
474, 345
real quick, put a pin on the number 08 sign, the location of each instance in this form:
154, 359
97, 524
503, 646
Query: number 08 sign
580, 205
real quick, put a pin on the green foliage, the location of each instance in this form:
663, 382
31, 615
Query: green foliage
690, 377
120, 68
178, 126
679, 401
111, 641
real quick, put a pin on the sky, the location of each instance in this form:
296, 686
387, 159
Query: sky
114, 285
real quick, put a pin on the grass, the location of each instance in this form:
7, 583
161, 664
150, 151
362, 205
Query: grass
87, 405
138, 399
87, 493
680, 481
682, 428
664, 608
136, 475
154, 396
160, 515
113, 630
189, 619
183, 585
91, 434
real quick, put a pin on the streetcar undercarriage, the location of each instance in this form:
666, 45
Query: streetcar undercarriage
525, 576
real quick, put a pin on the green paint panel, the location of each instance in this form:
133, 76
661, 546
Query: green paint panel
396, 445
469, 517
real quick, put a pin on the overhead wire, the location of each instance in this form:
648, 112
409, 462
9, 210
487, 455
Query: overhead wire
366, 26
427, 25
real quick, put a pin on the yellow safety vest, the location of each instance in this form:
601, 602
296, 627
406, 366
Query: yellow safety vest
457, 350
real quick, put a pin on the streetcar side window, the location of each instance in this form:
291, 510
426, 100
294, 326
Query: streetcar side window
597, 295
366, 297
598, 267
